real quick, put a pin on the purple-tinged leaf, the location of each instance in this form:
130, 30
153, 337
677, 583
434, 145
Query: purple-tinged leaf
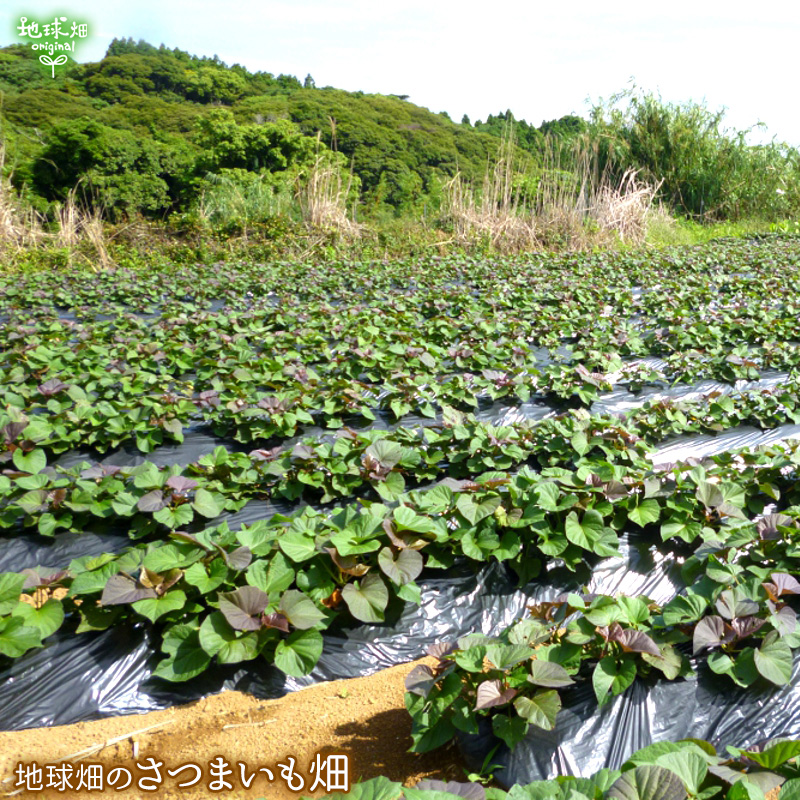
373, 467
152, 501
420, 680
32, 579
243, 607
594, 378
743, 627
665, 466
711, 632
239, 559
207, 399
767, 781
180, 484
122, 588
266, 455
57, 497
100, 471
767, 526
35, 578
726, 773
346, 433
394, 538
731, 605
647, 782
783, 583
492, 693
274, 405
12, 430
614, 490
633, 641
275, 620
441, 649
51, 387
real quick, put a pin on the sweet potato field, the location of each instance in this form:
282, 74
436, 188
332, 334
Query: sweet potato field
396, 421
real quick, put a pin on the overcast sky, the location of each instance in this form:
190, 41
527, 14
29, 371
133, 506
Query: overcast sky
541, 60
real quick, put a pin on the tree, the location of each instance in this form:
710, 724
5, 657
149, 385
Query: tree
569, 125
213, 85
121, 47
121, 173
272, 146
287, 83
44, 107
308, 83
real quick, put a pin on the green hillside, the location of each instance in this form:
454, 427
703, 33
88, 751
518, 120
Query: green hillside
146, 104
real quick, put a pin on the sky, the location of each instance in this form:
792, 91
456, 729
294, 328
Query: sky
541, 60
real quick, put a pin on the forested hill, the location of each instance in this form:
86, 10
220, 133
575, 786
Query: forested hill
165, 119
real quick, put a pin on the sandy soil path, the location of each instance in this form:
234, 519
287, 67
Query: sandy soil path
363, 718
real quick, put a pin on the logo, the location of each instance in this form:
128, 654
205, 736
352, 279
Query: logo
58, 35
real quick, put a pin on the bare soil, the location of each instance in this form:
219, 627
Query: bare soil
364, 718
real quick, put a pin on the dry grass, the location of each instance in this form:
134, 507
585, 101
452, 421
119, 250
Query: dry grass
494, 214
21, 227
68, 219
92, 229
485, 217
323, 197
78, 225
566, 183
625, 208
575, 205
